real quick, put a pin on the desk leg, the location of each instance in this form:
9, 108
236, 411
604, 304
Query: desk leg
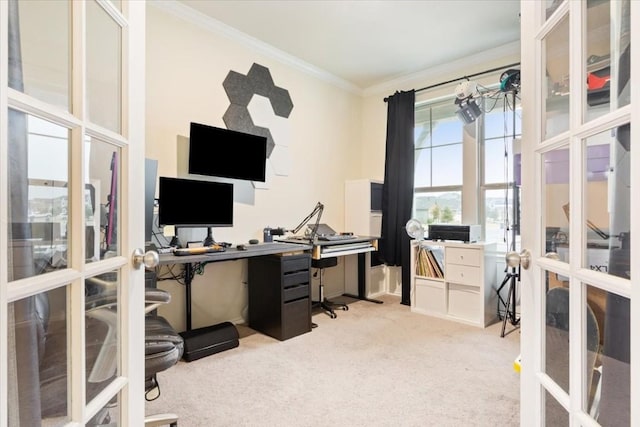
363, 264
188, 277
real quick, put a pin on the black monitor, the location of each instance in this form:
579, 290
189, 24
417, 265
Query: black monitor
194, 203
226, 153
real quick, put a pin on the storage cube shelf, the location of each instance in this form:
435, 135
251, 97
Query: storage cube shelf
454, 280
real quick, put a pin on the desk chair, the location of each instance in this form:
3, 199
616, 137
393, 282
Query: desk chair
163, 345
326, 305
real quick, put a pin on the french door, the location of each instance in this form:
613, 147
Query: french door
71, 177
580, 294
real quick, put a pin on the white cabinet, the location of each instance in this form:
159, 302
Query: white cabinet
454, 281
363, 217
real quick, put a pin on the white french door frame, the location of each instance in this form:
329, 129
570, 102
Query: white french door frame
534, 382
130, 381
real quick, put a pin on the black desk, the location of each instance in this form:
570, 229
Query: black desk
358, 245
231, 254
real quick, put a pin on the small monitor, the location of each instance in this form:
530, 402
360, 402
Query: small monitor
226, 153
194, 203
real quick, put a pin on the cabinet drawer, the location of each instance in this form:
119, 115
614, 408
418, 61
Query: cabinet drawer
296, 292
296, 318
296, 278
464, 274
463, 256
295, 263
465, 302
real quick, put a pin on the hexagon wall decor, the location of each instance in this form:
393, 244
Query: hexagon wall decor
259, 107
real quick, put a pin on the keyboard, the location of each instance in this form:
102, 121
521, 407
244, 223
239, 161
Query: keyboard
199, 251
332, 237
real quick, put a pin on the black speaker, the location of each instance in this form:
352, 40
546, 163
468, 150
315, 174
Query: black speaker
209, 340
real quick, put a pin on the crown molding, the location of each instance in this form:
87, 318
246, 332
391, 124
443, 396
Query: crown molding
208, 23
434, 73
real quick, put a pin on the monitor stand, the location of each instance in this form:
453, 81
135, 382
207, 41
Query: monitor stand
208, 241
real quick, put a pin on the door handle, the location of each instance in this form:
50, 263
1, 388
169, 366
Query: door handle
149, 259
515, 259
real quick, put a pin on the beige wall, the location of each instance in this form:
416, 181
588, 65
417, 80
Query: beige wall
186, 65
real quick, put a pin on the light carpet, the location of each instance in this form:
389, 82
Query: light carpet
374, 365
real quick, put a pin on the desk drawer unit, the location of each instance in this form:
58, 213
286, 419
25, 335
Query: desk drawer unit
279, 295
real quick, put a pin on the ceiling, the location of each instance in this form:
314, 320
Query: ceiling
367, 43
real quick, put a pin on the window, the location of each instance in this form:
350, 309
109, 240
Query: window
440, 159
437, 196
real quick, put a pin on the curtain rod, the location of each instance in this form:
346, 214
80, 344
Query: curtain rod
462, 78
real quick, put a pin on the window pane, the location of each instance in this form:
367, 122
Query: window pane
38, 334
447, 131
38, 202
556, 56
39, 58
500, 219
422, 172
104, 57
498, 167
608, 202
438, 207
101, 331
607, 79
608, 356
557, 334
447, 165
555, 196
102, 201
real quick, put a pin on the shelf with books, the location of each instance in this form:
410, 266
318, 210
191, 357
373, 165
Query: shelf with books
454, 280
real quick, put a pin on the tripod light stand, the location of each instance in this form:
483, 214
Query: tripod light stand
511, 278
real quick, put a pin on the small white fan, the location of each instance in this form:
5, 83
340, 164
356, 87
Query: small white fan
414, 228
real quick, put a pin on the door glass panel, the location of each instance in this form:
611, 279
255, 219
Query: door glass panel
102, 209
607, 202
555, 194
38, 190
557, 330
109, 415
38, 338
551, 6
554, 412
104, 60
608, 394
39, 50
102, 331
608, 62
556, 58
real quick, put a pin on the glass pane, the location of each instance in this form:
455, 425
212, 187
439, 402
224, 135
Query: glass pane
104, 59
39, 50
109, 415
38, 195
438, 208
498, 167
500, 219
102, 201
554, 413
447, 165
607, 202
607, 80
447, 131
102, 331
422, 171
498, 122
557, 330
555, 195
551, 6
608, 396
556, 57
38, 339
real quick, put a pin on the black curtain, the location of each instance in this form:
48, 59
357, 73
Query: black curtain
397, 192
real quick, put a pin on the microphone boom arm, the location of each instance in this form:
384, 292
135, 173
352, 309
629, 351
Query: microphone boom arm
316, 210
